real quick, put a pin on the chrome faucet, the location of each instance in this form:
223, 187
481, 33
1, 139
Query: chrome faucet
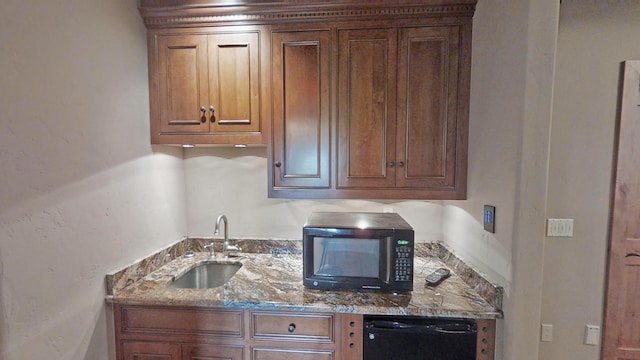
228, 248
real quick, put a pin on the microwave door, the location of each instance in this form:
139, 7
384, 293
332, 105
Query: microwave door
325, 266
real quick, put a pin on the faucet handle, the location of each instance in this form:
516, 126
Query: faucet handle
211, 250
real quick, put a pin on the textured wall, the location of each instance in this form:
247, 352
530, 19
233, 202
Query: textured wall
511, 97
594, 38
81, 190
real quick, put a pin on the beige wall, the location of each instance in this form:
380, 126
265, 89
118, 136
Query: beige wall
511, 93
234, 182
594, 38
81, 190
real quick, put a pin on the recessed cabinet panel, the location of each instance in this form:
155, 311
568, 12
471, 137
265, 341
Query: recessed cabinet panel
212, 352
301, 117
211, 322
297, 354
366, 105
427, 112
234, 81
182, 65
141, 350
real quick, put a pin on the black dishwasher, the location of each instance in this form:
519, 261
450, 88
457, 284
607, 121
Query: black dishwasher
418, 338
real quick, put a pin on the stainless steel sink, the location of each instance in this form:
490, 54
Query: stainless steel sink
206, 276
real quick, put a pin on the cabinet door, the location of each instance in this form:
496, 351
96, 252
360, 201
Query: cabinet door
234, 80
212, 352
297, 354
183, 84
134, 350
300, 85
428, 145
367, 108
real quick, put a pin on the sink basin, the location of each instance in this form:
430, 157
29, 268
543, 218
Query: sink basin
206, 276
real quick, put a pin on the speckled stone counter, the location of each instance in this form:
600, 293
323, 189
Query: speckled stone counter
271, 278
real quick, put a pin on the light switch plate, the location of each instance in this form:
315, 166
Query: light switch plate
546, 332
490, 218
592, 335
560, 227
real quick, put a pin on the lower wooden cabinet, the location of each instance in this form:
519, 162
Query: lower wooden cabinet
172, 333
202, 333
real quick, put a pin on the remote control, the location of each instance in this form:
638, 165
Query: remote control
437, 277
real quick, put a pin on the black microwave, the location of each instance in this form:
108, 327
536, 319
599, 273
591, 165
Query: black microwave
358, 251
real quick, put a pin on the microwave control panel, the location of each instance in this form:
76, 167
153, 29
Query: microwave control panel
404, 263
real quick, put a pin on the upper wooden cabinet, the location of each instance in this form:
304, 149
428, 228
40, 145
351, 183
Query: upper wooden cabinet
396, 126
301, 142
354, 99
207, 86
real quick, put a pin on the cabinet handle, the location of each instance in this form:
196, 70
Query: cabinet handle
213, 117
401, 164
203, 119
292, 328
277, 164
632, 254
391, 164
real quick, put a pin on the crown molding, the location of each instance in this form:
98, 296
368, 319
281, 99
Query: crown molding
165, 13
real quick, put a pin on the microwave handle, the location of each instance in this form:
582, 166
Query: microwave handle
390, 260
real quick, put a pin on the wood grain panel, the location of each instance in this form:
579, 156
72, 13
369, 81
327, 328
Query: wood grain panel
622, 309
297, 354
427, 106
234, 78
366, 105
183, 82
218, 322
351, 332
133, 350
486, 343
301, 105
293, 326
210, 352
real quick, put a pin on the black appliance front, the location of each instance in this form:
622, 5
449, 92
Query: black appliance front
419, 338
358, 251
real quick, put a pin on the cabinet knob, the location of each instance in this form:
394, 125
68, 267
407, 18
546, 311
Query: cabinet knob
277, 164
292, 328
211, 108
391, 164
202, 108
401, 164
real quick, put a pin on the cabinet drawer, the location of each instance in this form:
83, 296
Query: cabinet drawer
159, 320
292, 327
297, 354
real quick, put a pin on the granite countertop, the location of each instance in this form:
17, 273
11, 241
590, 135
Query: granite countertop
274, 281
